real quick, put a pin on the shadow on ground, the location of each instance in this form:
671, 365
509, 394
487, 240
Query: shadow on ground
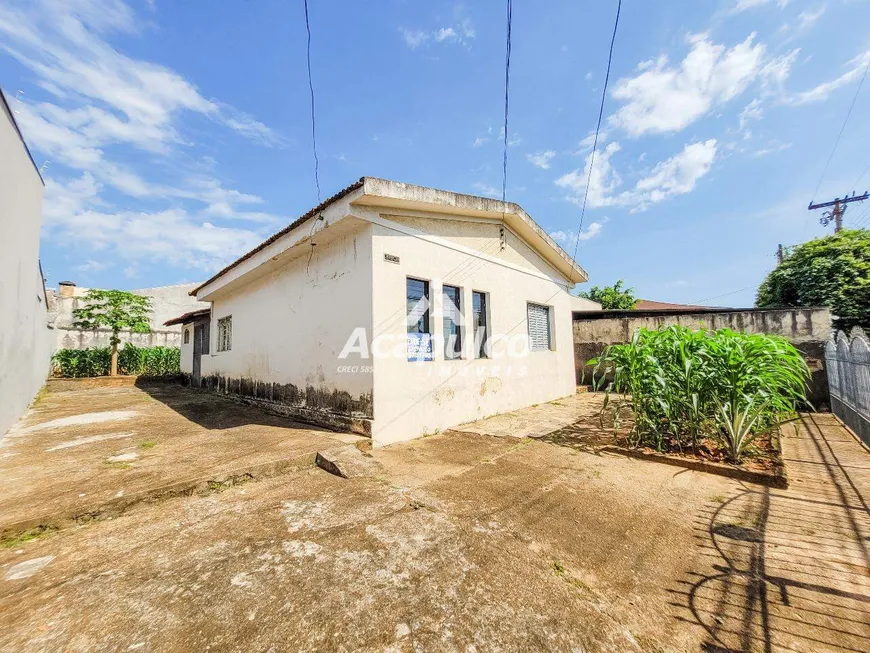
788, 569
213, 412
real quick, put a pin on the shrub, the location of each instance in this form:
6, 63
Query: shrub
683, 385
96, 361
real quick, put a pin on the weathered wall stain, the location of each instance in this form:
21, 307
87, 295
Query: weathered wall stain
331, 408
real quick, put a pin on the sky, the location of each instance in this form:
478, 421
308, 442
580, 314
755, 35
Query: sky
175, 136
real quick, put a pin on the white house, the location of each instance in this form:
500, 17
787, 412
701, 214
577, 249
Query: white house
392, 310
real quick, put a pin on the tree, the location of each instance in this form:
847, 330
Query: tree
613, 297
832, 271
116, 310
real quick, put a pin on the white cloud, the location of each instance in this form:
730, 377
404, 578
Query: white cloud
122, 99
461, 33
174, 236
541, 159
90, 266
103, 101
486, 190
819, 93
752, 111
663, 98
772, 148
568, 238
743, 5
809, 17
677, 175
480, 140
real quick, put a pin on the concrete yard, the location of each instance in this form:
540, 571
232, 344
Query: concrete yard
460, 541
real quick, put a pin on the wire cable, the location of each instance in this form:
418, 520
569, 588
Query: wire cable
507, 84
840, 135
597, 132
313, 118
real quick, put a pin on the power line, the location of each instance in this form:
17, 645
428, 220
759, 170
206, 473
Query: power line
840, 135
733, 292
597, 131
507, 83
860, 177
313, 119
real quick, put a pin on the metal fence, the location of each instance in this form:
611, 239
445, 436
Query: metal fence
848, 361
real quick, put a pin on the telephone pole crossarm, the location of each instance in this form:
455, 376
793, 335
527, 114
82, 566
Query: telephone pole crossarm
838, 205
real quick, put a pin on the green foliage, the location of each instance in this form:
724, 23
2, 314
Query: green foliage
96, 361
613, 297
82, 362
832, 271
683, 385
113, 309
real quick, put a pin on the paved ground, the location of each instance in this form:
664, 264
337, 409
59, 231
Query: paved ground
77, 450
469, 542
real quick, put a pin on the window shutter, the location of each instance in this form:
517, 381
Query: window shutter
539, 327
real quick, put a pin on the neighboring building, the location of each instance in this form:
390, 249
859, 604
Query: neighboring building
166, 302
393, 310
25, 338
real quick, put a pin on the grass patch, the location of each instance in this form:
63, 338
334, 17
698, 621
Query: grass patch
40, 396
148, 444
27, 536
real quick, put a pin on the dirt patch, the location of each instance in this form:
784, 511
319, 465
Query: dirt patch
68, 460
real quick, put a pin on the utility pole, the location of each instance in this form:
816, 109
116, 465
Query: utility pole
838, 208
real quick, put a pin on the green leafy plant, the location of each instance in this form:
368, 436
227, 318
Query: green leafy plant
613, 297
97, 361
832, 271
683, 385
116, 310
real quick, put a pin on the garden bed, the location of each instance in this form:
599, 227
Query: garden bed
763, 465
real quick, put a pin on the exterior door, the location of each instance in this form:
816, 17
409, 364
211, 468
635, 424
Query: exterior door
197, 354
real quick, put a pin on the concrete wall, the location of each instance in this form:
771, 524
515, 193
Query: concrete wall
415, 398
289, 327
808, 329
25, 339
69, 338
166, 302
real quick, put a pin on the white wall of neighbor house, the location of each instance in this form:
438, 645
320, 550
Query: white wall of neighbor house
416, 398
26, 343
291, 325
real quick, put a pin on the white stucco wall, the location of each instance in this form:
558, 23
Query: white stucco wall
416, 398
187, 349
290, 325
26, 343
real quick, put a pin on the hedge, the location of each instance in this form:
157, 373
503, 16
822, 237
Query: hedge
96, 361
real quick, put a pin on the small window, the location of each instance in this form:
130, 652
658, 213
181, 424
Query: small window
480, 323
225, 333
419, 333
187, 336
451, 301
539, 327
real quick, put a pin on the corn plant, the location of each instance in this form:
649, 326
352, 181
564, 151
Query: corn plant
96, 361
676, 381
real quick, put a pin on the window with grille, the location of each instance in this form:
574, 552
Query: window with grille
480, 323
539, 327
187, 336
451, 304
225, 333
